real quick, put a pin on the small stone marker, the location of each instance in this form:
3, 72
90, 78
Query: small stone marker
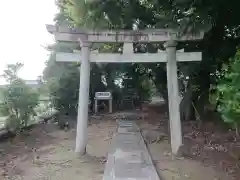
103, 96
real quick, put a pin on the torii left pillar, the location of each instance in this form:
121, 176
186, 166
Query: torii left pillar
173, 97
82, 117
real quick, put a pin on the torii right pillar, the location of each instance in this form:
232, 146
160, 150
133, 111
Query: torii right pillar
173, 97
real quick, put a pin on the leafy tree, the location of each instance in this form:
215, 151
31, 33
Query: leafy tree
63, 80
10, 74
19, 99
218, 19
229, 93
64, 91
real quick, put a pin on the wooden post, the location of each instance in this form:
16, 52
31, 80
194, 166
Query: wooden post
96, 106
82, 118
173, 97
110, 105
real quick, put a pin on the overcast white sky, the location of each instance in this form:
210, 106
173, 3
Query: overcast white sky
23, 33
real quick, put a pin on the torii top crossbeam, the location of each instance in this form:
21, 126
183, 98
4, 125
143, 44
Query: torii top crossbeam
149, 35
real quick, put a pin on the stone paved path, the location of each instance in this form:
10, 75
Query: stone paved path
128, 157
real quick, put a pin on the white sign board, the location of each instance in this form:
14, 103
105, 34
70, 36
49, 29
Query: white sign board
103, 95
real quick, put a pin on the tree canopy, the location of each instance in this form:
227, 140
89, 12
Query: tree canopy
217, 18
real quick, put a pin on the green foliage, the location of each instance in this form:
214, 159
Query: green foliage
217, 18
229, 92
19, 99
62, 80
10, 74
64, 91
136, 76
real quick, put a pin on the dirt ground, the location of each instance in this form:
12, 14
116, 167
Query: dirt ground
47, 153
212, 156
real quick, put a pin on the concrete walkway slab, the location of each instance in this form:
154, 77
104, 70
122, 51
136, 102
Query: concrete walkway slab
128, 157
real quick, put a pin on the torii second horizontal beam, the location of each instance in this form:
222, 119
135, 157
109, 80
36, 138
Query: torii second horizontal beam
129, 58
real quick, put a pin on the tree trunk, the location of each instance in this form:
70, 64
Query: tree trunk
237, 130
186, 108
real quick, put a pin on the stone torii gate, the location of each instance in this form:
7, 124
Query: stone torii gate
86, 38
